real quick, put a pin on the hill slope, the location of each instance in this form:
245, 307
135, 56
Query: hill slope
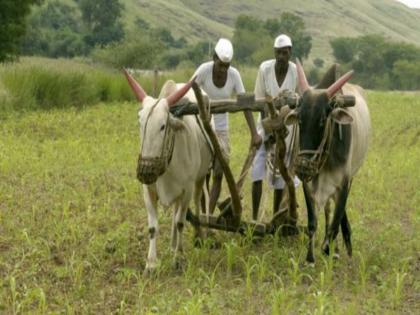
326, 19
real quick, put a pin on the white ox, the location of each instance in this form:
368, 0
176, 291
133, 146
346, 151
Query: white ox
333, 142
174, 160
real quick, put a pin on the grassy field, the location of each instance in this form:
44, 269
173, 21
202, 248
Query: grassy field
73, 228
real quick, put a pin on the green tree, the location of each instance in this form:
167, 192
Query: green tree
253, 38
137, 50
344, 49
379, 63
101, 19
294, 26
407, 75
318, 62
55, 31
13, 26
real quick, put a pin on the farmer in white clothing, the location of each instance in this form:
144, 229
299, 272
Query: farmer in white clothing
221, 81
274, 76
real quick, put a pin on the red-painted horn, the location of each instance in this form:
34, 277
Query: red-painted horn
303, 82
177, 95
135, 86
335, 87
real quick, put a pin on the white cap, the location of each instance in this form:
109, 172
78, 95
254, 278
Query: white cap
224, 50
282, 41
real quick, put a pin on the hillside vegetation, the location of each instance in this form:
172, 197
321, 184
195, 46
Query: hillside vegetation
327, 19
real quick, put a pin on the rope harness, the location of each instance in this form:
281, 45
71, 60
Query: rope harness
308, 167
150, 168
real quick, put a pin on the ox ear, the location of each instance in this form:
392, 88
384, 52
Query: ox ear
329, 78
291, 118
176, 124
341, 116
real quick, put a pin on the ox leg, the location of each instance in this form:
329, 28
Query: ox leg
181, 214
256, 198
340, 210
200, 194
217, 185
346, 231
312, 223
150, 198
327, 210
174, 232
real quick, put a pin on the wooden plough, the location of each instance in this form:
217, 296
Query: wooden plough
231, 209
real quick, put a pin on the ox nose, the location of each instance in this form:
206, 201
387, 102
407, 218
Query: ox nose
305, 169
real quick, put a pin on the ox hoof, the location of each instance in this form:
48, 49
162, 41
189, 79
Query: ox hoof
179, 263
349, 249
310, 259
326, 248
198, 242
151, 269
310, 265
149, 272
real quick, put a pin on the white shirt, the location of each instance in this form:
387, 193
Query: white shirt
266, 83
232, 86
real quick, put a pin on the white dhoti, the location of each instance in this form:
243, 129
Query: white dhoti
260, 171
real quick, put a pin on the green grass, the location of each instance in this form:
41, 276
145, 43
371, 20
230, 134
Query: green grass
43, 84
73, 228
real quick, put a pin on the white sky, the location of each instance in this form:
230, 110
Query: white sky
411, 3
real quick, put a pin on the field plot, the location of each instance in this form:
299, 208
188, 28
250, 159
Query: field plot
73, 228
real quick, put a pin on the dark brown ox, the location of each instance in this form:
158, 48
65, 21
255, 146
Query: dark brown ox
332, 144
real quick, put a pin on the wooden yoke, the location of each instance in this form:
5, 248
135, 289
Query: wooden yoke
280, 135
205, 117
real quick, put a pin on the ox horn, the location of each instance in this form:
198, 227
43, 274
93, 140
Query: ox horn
303, 82
177, 95
135, 86
335, 87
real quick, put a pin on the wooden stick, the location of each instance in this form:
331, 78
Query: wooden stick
279, 162
204, 115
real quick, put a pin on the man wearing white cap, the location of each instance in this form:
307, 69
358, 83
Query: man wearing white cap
221, 81
274, 76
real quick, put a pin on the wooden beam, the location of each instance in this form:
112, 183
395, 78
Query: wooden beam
256, 229
242, 103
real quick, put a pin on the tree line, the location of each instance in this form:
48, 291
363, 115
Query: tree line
378, 62
93, 28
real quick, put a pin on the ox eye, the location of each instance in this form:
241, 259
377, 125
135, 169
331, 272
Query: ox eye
162, 128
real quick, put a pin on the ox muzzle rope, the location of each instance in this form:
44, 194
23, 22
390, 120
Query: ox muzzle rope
150, 168
308, 163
